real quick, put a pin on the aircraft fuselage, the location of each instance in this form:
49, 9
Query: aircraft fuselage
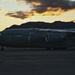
37, 38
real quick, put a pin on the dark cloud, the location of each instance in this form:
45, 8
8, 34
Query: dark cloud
44, 4
19, 14
44, 7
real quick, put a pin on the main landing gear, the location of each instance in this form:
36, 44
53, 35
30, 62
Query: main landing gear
2, 48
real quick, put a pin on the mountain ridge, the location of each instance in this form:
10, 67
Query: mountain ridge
55, 25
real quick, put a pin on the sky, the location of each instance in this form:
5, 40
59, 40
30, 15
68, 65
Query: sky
22, 11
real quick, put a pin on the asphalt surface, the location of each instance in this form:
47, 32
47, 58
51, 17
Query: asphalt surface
37, 62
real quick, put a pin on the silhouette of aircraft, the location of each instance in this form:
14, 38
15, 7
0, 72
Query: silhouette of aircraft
37, 38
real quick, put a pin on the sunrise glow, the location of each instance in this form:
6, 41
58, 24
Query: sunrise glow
22, 11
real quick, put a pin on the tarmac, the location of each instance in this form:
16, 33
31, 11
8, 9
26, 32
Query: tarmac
37, 62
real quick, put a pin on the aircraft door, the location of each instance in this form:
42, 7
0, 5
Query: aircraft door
55, 37
36, 38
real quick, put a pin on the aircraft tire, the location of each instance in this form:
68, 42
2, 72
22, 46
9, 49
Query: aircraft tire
2, 49
49, 48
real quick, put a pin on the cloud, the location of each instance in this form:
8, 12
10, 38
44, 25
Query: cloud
44, 8
23, 15
19, 14
41, 6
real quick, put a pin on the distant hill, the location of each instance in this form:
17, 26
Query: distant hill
55, 25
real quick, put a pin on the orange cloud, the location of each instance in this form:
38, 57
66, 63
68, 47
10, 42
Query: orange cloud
36, 3
53, 12
44, 8
49, 12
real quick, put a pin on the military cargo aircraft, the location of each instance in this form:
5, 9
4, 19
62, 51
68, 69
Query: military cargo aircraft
38, 38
